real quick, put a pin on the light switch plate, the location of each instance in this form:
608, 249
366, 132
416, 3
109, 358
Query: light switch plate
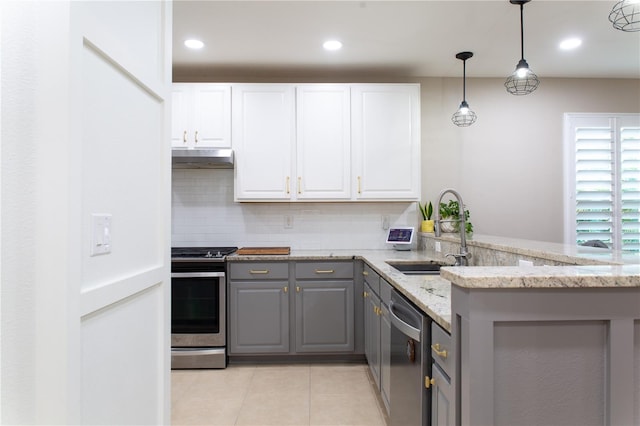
100, 234
438, 248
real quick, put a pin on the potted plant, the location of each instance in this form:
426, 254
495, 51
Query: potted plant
451, 211
427, 211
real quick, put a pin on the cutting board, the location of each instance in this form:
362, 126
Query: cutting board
264, 250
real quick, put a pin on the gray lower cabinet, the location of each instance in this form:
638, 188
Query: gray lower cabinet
315, 308
385, 342
442, 396
258, 308
324, 316
372, 331
377, 323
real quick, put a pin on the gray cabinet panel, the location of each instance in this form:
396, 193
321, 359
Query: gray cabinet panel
372, 332
324, 270
324, 316
441, 398
385, 356
372, 278
258, 270
441, 349
258, 317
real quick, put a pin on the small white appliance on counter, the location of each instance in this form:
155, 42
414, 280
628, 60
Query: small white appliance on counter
401, 237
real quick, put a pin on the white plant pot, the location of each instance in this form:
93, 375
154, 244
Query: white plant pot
447, 226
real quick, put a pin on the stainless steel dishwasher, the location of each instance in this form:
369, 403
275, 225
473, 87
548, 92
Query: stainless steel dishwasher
410, 363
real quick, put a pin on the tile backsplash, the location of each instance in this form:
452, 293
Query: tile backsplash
204, 213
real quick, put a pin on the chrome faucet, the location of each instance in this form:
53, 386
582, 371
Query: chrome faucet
462, 259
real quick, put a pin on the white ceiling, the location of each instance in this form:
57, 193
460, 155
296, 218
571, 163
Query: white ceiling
401, 38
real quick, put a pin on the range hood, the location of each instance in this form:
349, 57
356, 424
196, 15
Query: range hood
202, 158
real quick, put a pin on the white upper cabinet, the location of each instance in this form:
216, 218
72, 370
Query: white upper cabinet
201, 115
386, 141
326, 142
323, 158
263, 137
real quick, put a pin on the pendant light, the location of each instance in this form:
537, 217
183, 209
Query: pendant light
464, 116
523, 81
625, 15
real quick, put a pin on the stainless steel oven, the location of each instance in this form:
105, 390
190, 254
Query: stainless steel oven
198, 307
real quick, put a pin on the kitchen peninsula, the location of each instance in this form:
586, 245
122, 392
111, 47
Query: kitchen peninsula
553, 343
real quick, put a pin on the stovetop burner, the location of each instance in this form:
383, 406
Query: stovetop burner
201, 252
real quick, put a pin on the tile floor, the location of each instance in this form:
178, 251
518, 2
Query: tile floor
309, 394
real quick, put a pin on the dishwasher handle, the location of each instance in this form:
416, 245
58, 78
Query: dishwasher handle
406, 329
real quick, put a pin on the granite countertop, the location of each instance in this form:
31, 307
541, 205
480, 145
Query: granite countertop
431, 293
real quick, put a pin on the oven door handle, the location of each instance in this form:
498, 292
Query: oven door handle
197, 274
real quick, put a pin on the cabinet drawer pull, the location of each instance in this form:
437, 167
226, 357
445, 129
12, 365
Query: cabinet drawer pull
442, 353
299, 185
327, 271
184, 137
196, 137
288, 192
359, 185
365, 273
260, 271
428, 382
297, 289
365, 294
285, 289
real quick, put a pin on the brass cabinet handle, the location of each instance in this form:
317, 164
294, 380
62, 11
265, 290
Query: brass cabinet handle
428, 382
285, 289
365, 273
297, 289
184, 137
365, 294
260, 271
196, 137
288, 192
327, 271
299, 185
442, 353
359, 185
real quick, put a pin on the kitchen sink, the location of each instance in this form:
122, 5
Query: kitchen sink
416, 268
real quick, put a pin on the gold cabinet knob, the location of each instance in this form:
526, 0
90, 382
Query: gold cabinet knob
365, 294
442, 353
285, 289
428, 382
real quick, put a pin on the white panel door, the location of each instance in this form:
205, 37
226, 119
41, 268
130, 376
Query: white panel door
386, 141
323, 142
263, 141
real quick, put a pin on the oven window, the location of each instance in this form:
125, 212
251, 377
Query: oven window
195, 305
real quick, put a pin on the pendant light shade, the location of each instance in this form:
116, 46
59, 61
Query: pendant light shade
523, 81
464, 116
625, 15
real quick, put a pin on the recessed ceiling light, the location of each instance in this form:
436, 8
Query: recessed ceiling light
332, 45
193, 44
570, 43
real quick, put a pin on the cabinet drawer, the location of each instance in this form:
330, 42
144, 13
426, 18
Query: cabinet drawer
372, 278
258, 270
324, 270
385, 291
441, 349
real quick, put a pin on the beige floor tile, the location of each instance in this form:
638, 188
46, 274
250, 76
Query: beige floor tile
198, 410
344, 410
339, 381
274, 408
286, 379
227, 383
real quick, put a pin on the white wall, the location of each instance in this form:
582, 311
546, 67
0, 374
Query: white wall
85, 339
204, 214
508, 166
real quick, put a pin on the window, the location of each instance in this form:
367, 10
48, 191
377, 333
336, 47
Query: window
602, 179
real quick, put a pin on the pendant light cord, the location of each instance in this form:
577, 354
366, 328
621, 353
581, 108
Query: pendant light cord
464, 80
522, 31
